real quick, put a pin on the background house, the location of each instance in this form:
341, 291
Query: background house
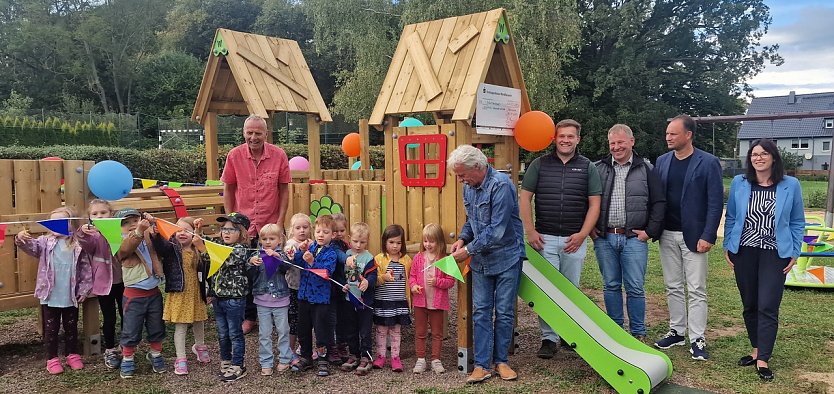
809, 137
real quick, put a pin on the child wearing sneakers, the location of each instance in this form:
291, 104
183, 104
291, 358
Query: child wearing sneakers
64, 281
338, 352
272, 297
142, 273
300, 229
229, 287
318, 257
185, 263
107, 279
430, 296
356, 321
392, 298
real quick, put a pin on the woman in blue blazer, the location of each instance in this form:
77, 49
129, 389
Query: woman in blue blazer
763, 231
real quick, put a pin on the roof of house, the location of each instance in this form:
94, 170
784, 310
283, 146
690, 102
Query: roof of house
788, 128
438, 66
254, 74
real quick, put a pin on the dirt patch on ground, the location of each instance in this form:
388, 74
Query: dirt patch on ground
821, 377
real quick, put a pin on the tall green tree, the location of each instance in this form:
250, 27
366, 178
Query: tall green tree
643, 61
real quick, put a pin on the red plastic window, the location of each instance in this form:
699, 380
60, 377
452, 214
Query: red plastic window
423, 160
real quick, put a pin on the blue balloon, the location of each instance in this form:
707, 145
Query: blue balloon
357, 164
110, 180
411, 122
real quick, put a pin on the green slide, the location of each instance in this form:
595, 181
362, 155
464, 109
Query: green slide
627, 364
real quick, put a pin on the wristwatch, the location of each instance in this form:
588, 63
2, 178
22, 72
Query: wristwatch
136, 234
467, 250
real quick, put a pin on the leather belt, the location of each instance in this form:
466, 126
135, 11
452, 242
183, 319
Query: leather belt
616, 230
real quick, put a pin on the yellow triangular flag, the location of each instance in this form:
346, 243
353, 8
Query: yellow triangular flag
148, 183
218, 254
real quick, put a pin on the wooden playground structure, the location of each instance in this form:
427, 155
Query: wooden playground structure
437, 68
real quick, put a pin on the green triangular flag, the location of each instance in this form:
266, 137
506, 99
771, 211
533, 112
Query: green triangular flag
212, 182
174, 184
449, 266
111, 230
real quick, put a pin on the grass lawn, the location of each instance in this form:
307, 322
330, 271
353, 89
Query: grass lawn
803, 359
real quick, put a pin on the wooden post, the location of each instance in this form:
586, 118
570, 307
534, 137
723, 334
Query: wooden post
463, 135
269, 127
314, 146
364, 142
91, 340
210, 125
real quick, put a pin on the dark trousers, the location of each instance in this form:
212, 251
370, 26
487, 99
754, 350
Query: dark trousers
761, 282
313, 317
341, 308
355, 329
142, 308
52, 322
110, 305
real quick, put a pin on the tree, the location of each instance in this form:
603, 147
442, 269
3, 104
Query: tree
643, 61
167, 83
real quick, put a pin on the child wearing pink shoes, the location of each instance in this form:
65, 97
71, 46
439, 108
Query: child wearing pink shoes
64, 281
185, 263
392, 300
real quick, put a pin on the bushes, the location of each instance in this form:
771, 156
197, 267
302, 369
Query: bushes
172, 165
34, 132
816, 199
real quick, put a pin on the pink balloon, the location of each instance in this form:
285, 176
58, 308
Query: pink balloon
299, 163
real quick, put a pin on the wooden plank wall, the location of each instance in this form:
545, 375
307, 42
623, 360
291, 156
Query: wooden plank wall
29, 189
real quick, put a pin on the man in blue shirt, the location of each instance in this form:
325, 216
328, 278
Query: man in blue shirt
494, 236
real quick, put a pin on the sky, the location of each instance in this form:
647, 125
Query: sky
803, 30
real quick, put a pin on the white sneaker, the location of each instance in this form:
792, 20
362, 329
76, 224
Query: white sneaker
437, 366
420, 366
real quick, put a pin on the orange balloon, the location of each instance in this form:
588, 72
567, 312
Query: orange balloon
534, 131
351, 145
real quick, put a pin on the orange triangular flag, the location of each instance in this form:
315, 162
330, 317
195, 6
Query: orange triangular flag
819, 272
166, 228
466, 267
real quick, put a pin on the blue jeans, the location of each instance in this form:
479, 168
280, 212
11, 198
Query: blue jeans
622, 261
266, 318
498, 293
228, 312
569, 264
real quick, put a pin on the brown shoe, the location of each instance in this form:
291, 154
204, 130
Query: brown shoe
506, 373
478, 375
247, 326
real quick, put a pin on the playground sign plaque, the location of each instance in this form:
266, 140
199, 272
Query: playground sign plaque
497, 109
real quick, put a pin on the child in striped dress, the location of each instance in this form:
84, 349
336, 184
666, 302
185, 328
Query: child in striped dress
392, 299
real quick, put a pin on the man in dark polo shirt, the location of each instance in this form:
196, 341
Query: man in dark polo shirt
567, 193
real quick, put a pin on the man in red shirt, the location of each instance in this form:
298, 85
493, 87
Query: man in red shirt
256, 183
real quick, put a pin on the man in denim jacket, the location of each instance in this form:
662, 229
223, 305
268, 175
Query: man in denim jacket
494, 236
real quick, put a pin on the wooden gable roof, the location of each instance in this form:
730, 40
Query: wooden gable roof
254, 74
439, 64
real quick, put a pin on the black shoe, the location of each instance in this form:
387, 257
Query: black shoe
324, 367
302, 365
547, 350
765, 374
746, 361
672, 338
565, 344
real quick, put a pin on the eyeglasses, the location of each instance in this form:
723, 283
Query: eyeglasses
229, 230
762, 155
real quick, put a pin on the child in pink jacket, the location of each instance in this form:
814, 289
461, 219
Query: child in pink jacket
430, 296
64, 281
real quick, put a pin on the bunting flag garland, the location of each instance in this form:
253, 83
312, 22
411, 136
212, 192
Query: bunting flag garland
322, 273
357, 303
59, 226
175, 184
166, 228
218, 254
449, 266
2, 233
270, 264
111, 230
148, 183
211, 182
466, 267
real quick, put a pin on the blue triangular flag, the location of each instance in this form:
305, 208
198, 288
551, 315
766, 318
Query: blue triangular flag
357, 303
60, 226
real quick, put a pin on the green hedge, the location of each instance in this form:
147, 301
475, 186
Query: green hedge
172, 165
